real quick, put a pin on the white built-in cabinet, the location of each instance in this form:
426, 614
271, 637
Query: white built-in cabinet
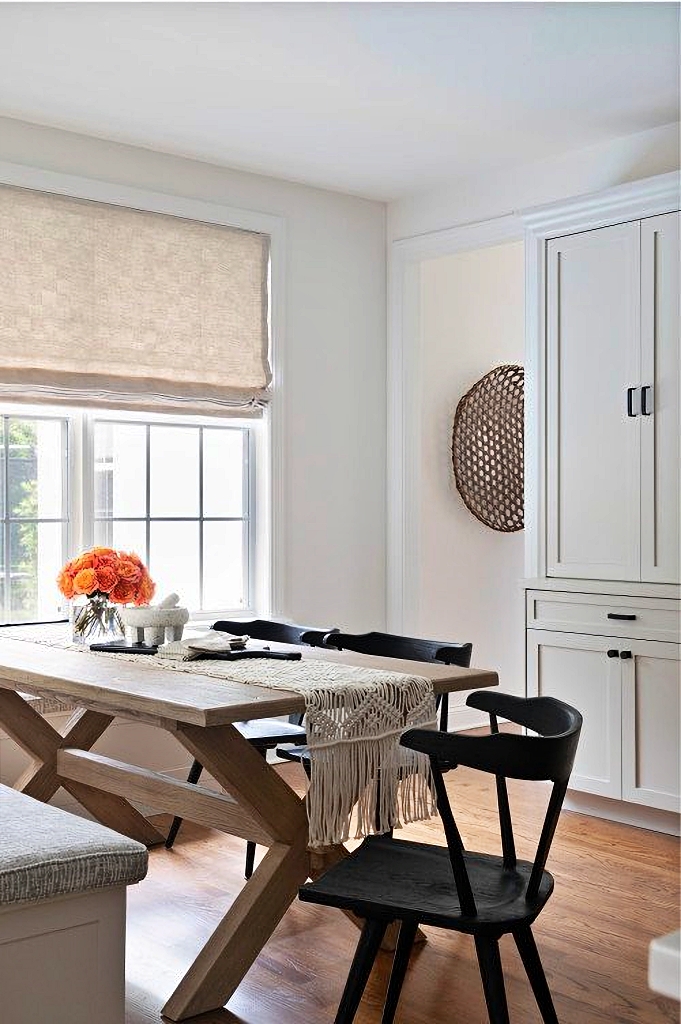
587, 650
602, 483
613, 402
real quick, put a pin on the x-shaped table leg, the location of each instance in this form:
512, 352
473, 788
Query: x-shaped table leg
249, 922
40, 780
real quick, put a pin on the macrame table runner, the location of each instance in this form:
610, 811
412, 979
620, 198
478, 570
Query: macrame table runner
354, 720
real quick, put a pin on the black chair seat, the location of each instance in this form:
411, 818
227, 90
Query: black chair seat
397, 879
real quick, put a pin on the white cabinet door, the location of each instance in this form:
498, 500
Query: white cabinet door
593, 445
576, 668
650, 724
660, 426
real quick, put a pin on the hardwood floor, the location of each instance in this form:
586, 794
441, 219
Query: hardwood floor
616, 888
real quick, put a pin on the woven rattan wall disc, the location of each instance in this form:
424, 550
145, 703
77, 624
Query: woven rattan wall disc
487, 448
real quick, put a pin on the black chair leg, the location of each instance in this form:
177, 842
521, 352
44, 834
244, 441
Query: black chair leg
193, 778
492, 979
524, 940
363, 960
399, 969
250, 845
250, 858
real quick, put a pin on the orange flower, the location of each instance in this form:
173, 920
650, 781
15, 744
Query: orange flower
85, 581
127, 570
84, 561
145, 590
123, 592
106, 578
110, 558
65, 583
122, 576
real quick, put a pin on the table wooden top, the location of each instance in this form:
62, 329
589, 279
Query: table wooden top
143, 690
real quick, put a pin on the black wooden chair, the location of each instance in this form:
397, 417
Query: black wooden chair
390, 645
263, 733
486, 896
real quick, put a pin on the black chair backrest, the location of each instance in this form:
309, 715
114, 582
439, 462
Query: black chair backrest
277, 632
390, 645
548, 755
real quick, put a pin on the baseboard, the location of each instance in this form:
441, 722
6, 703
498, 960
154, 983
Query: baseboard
461, 717
629, 814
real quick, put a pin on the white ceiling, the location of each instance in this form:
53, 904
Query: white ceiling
377, 99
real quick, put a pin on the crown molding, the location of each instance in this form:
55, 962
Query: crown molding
646, 198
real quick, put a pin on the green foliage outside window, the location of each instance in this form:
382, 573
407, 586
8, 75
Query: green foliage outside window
22, 503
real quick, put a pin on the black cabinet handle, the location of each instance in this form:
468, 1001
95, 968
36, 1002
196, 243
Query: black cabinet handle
645, 391
630, 401
613, 654
622, 618
625, 654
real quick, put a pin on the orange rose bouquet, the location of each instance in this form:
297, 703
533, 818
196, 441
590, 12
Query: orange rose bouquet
103, 578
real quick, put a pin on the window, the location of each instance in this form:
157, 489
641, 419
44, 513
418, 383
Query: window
34, 504
170, 297
179, 492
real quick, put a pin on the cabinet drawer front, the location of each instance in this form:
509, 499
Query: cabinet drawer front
653, 618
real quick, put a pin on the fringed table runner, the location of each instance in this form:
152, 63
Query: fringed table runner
354, 720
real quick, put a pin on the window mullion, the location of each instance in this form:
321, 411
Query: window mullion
83, 483
147, 506
6, 529
201, 591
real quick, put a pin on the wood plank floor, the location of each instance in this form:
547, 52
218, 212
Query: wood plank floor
616, 888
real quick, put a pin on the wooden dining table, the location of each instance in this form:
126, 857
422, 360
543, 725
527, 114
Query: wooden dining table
257, 804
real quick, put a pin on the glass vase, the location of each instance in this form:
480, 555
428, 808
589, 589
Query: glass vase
95, 620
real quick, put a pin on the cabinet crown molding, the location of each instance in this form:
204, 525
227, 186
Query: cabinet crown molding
633, 201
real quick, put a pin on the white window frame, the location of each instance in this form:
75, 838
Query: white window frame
79, 500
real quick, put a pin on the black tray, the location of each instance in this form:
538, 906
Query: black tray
123, 647
235, 655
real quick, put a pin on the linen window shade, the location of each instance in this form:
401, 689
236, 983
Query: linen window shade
111, 306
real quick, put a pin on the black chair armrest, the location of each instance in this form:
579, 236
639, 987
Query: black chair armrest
544, 715
518, 757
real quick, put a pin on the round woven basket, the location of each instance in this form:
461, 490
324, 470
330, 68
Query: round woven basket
487, 448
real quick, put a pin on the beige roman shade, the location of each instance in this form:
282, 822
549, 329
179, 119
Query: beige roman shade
105, 305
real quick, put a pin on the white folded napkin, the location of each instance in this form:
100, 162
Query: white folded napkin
213, 642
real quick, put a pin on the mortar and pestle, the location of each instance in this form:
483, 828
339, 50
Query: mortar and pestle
154, 624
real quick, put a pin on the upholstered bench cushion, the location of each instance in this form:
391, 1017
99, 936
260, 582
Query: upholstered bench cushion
46, 852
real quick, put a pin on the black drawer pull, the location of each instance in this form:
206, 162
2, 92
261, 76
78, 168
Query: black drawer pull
613, 654
630, 401
625, 654
645, 391
622, 618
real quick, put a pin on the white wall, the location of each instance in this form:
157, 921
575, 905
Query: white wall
576, 173
333, 361
469, 577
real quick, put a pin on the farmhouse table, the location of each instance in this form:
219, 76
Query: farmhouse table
199, 711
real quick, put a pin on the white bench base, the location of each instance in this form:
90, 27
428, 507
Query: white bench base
62, 960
